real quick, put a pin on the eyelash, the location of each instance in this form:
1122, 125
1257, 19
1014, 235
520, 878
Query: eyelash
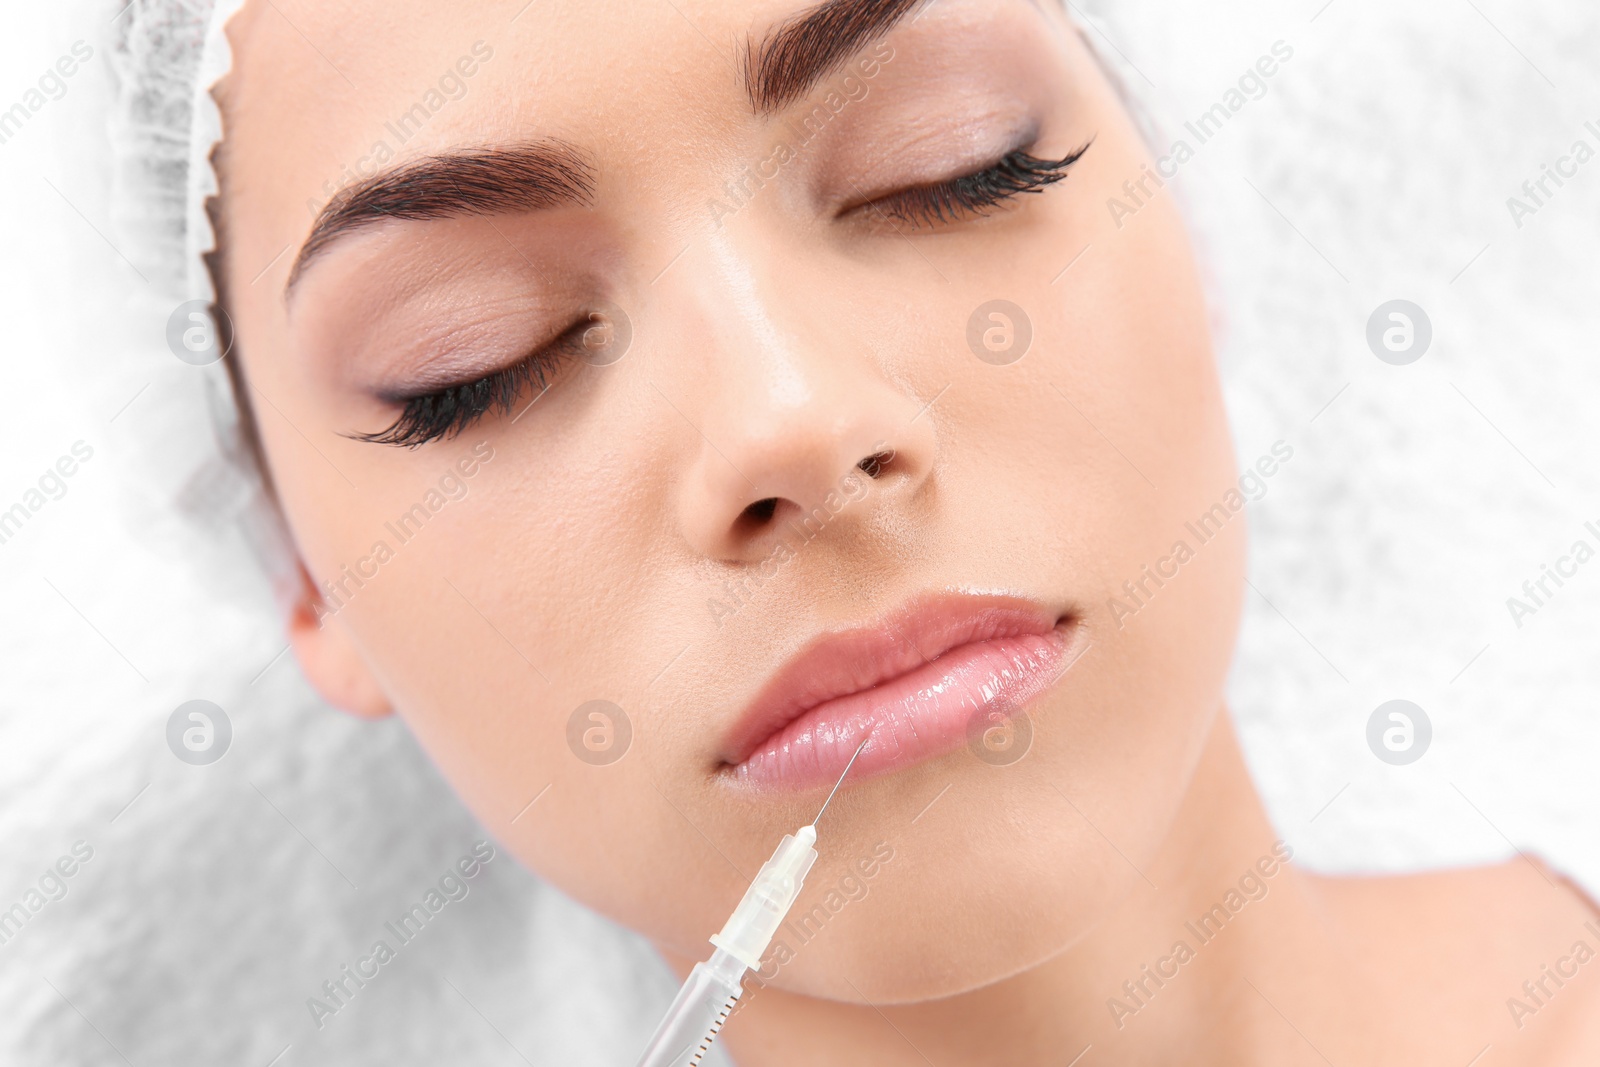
447, 412
975, 195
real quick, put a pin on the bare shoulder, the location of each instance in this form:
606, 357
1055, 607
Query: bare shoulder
1499, 962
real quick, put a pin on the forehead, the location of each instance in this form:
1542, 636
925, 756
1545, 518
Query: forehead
358, 52
325, 83
334, 79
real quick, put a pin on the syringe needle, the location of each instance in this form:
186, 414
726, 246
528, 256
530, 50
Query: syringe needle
840, 782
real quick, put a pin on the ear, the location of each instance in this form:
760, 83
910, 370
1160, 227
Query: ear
329, 656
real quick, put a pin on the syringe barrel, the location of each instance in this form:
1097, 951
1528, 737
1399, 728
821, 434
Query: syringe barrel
749, 929
698, 1012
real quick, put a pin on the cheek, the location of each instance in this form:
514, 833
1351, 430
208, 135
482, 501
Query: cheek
1080, 464
522, 635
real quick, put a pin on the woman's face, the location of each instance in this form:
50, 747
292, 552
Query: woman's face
747, 386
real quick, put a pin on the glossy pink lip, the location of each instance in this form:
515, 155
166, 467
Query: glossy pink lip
914, 681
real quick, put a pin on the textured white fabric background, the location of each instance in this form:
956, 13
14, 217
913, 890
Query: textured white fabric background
1419, 499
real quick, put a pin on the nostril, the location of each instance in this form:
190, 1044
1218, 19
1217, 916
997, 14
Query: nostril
874, 465
761, 511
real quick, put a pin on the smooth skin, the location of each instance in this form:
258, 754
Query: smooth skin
778, 338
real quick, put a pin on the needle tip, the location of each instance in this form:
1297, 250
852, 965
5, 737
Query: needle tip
840, 782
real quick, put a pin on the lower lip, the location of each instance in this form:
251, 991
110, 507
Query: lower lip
918, 716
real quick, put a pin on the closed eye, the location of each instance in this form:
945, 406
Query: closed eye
443, 413
973, 195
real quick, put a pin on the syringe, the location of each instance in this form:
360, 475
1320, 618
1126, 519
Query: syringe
706, 999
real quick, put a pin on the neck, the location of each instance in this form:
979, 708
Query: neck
1199, 964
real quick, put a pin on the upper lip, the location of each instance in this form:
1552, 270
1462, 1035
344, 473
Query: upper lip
849, 661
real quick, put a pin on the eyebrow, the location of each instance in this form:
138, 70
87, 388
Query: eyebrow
482, 181
805, 48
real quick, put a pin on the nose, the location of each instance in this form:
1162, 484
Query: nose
800, 425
